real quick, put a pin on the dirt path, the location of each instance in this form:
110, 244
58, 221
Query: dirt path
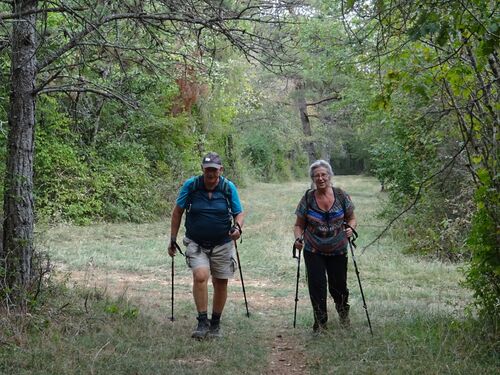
285, 355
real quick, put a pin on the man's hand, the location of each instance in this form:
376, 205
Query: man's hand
172, 249
235, 232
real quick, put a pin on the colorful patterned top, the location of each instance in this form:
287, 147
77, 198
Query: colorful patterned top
324, 232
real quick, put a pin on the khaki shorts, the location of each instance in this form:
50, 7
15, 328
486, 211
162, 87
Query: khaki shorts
221, 259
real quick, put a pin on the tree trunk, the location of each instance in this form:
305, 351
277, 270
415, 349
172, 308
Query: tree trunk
17, 249
304, 118
230, 161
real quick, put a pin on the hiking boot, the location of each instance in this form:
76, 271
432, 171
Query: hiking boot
343, 312
202, 329
345, 322
320, 320
319, 327
214, 331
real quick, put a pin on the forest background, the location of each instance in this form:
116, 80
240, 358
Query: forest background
129, 95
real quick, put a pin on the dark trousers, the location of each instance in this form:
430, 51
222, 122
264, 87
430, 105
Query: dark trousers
318, 268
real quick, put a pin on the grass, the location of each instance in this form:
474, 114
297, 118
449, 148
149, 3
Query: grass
111, 316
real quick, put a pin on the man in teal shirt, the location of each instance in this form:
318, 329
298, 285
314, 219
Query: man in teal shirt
214, 218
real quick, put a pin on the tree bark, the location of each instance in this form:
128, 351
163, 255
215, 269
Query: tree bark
304, 119
18, 225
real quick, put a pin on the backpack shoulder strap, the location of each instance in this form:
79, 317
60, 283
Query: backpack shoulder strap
224, 187
197, 184
341, 196
226, 191
308, 196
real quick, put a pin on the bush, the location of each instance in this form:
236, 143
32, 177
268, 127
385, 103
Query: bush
267, 156
483, 274
64, 183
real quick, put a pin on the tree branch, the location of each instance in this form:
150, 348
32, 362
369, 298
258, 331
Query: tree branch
103, 92
335, 97
218, 21
11, 16
417, 195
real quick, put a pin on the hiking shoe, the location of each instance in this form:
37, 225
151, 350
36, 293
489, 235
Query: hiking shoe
345, 322
201, 330
319, 327
343, 312
214, 332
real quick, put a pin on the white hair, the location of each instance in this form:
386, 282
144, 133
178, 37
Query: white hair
318, 164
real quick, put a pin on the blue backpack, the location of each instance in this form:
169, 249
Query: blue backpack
222, 186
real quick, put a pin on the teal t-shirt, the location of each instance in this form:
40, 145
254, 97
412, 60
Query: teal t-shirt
208, 219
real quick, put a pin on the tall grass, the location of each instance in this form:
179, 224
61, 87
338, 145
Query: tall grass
112, 314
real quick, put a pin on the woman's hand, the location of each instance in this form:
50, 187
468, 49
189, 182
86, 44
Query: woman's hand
299, 243
348, 232
298, 232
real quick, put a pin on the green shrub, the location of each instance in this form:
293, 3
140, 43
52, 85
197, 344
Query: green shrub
267, 155
123, 183
64, 184
483, 274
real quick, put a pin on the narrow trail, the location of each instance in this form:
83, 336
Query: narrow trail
285, 354
286, 357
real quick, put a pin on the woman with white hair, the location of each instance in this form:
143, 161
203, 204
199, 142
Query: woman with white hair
321, 232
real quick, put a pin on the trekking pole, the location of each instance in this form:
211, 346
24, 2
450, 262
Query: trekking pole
237, 226
241, 277
294, 255
172, 293
353, 245
176, 245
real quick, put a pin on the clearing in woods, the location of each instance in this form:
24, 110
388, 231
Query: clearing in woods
416, 306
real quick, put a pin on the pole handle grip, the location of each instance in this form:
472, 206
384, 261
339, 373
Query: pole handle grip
176, 245
294, 248
354, 234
